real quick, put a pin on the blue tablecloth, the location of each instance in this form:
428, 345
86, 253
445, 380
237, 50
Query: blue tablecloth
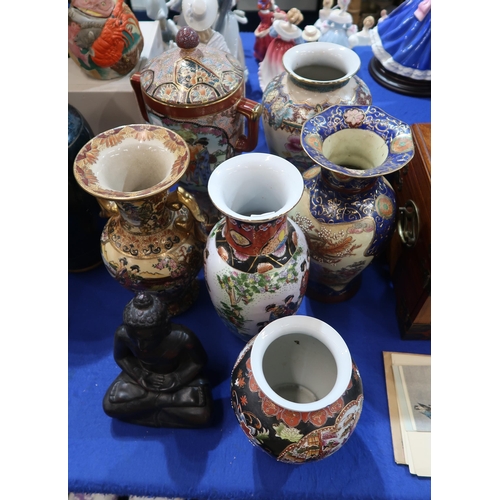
110, 456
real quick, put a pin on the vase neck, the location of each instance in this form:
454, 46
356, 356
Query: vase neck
258, 238
346, 184
317, 86
144, 216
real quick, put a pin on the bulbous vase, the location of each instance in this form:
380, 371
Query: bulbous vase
256, 259
295, 390
84, 222
348, 208
104, 38
153, 240
317, 75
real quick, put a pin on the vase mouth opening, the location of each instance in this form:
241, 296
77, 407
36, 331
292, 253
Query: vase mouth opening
255, 187
321, 63
132, 161
301, 363
355, 150
133, 166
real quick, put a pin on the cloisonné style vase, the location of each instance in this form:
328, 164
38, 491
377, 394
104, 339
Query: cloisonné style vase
295, 390
348, 208
153, 240
317, 76
104, 37
256, 258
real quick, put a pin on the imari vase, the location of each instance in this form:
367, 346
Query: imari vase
348, 208
256, 258
295, 390
153, 240
317, 75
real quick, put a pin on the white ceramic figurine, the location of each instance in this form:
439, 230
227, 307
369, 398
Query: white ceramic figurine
363, 36
201, 15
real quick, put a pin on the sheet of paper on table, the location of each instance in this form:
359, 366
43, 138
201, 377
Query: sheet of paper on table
408, 381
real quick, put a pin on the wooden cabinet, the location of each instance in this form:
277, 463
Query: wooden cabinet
410, 247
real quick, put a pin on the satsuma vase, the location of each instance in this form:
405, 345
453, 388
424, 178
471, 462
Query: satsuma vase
154, 239
256, 258
348, 208
104, 38
317, 75
295, 390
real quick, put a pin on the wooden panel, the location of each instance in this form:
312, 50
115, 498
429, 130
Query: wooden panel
411, 267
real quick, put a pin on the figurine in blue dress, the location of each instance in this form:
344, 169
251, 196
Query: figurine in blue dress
339, 26
402, 42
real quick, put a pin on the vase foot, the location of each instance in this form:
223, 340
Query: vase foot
398, 83
323, 293
184, 301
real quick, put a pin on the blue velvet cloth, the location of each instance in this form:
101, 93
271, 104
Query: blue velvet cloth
110, 456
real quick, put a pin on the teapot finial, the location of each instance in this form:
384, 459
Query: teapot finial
187, 38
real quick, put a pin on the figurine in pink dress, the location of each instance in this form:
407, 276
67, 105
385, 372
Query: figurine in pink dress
267, 11
285, 34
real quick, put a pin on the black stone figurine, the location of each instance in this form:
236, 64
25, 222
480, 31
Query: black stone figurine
161, 384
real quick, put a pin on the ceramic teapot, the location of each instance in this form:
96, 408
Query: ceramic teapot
198, 92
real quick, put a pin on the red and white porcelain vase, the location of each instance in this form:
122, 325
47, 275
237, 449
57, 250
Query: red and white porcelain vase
295, 390
256, 258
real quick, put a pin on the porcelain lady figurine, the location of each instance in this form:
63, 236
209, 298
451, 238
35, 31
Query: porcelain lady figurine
256, 258
285, 35
295, 390
201, 15
363, 37
154, 239
268, 12
339, 25
401, 47
323, 16
158, 10
104, 37
348, 208
227, 24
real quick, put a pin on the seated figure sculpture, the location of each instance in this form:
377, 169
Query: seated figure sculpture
161, 384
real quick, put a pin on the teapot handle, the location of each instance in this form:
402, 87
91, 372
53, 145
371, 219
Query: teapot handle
251, 110
135, 81
180, 197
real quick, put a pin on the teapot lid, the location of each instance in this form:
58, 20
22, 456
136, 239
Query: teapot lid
192, 74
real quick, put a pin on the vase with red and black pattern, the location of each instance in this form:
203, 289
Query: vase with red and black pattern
295, 390
348, 209
256, 259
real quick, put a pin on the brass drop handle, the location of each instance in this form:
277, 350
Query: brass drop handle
409, 224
